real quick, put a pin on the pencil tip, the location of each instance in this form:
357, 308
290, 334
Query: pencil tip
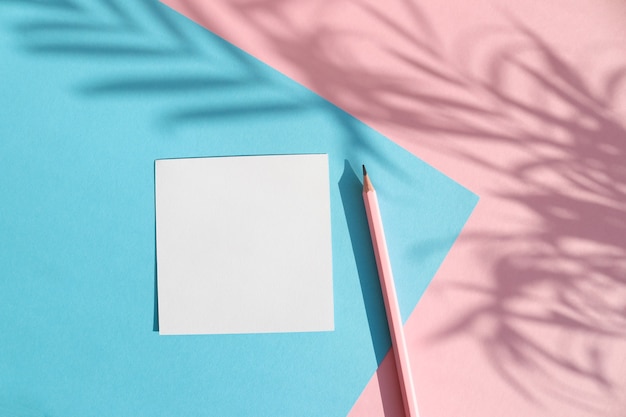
367, 184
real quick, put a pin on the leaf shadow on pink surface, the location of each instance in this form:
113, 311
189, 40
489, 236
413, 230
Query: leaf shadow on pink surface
555, 293
558, 289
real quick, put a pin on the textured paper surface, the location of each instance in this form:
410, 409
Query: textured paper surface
244, 244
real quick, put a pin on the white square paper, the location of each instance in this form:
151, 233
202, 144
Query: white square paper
244, 244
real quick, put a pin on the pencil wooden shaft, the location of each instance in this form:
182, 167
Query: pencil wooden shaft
391, 301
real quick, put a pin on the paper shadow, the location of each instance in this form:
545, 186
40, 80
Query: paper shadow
155, 319
350, 188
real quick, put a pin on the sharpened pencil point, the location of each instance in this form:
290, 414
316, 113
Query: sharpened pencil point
367, 183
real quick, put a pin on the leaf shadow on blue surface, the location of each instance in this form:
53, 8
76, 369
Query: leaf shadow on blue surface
143, 51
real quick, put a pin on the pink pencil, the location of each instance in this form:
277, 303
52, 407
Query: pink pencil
389, 295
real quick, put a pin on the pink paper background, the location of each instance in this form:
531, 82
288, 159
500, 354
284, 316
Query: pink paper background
523, 103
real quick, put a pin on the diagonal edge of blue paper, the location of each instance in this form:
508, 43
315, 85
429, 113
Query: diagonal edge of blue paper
92, 94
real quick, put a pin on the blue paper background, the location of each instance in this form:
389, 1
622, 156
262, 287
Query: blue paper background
91, 93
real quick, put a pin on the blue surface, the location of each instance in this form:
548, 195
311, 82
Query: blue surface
91, 93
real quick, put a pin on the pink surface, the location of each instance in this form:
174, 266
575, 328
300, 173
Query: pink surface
525, 105
392, 308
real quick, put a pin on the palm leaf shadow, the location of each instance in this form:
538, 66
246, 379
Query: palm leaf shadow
588, 209
136, 36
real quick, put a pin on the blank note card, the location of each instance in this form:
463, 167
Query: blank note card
244, 244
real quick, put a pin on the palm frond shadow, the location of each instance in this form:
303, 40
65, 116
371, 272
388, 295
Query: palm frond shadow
143, 49
575, 189
566, 276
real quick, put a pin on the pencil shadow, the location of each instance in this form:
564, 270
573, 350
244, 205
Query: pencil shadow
350, 189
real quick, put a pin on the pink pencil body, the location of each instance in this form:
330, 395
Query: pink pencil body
391, 301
